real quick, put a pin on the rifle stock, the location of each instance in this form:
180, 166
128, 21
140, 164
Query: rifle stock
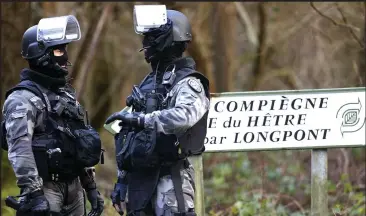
138, 98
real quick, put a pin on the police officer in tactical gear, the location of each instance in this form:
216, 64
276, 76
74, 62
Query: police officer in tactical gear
51, 147
167, 125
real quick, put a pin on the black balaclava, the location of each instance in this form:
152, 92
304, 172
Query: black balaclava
50, 75
160, 48
53, 68
61, 60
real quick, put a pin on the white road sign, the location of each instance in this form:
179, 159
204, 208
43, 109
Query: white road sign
272, 120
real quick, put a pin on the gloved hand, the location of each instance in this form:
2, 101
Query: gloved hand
134, 119
35, 203
96, 202
118, 196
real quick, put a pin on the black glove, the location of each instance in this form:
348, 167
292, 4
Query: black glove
35, 203
134, 119
96, 202
118, 196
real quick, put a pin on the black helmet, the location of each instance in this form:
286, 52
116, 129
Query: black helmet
181, 27
52, 32
33, 49
166, 32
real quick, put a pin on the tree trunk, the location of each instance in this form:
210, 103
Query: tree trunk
225, 45
259, 65
49, 9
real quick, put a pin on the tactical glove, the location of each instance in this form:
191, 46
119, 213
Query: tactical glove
118, 196
35, 203
96, 202
133, 119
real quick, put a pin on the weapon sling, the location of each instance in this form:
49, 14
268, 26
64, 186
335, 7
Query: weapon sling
178, 184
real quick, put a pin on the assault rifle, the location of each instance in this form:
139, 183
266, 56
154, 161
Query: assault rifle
136, 99
141, 103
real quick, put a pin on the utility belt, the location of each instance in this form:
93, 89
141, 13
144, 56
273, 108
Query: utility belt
62, 152
56, 157
61, 177
55, 166
167, 166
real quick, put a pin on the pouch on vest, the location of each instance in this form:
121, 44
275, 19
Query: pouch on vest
89, 147
142, 149
42, 159
137, 150
123, 142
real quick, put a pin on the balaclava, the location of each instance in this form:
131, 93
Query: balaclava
159, 46
53, 66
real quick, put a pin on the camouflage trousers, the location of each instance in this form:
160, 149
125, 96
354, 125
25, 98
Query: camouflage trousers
164, 201
67, 199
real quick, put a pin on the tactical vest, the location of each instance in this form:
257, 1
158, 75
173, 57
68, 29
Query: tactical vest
65, 145
171, 151
137, 148
174, 148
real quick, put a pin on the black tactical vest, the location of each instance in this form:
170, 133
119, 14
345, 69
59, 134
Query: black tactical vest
188, 147
143, 183
64, 145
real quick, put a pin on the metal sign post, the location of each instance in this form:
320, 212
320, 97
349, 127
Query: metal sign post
281, 120
319, 177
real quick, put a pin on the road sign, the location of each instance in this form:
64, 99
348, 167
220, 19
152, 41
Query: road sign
275, 120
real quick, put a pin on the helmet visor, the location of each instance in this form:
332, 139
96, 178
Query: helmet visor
58, 28
148, 17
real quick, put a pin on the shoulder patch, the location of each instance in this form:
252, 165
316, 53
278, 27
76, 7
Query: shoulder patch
195, 85
37, 102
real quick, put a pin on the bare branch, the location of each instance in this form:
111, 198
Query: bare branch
346, 161
355, 68
252, 36
323, 15
262, 48
345, 24
293, 200
92, 49
283, 37
349, 29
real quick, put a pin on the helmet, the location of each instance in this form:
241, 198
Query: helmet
50, 32
181, 27
166, 32
33, 49
148, 18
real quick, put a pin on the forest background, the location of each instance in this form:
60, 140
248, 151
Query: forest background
239, 46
